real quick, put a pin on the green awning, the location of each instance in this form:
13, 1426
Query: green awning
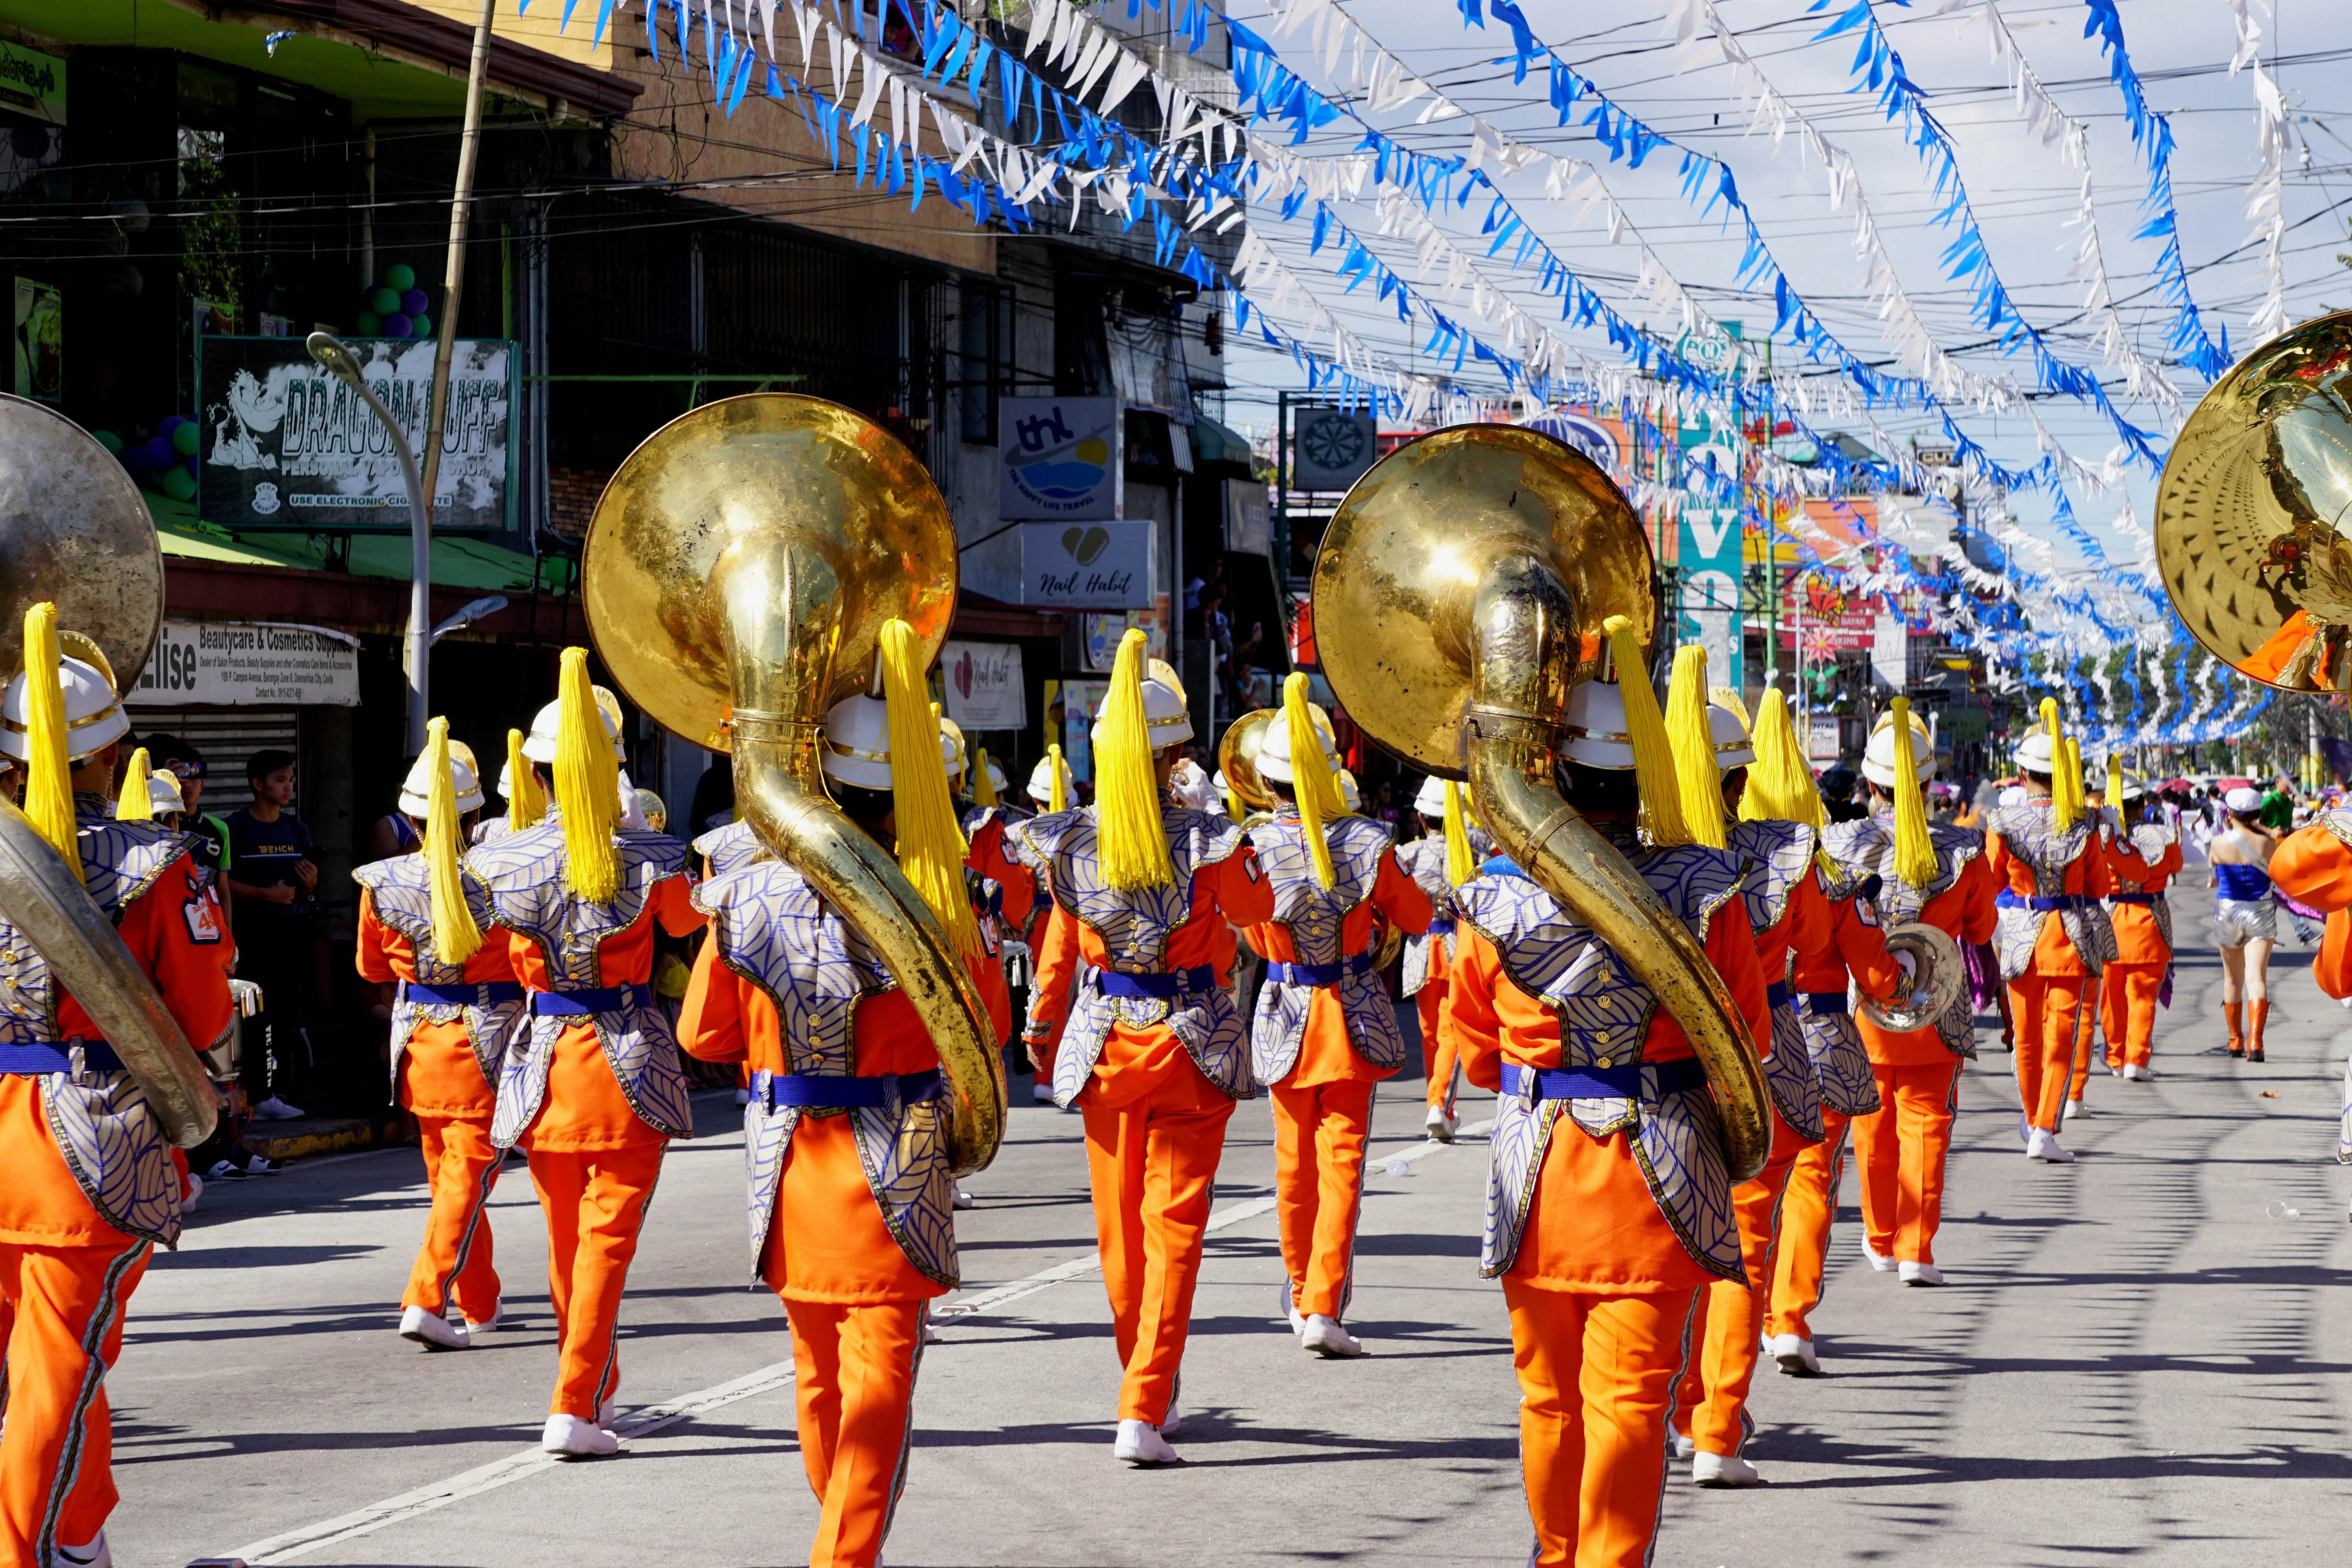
457, 563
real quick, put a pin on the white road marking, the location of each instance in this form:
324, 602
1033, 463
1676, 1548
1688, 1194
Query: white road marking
301, 1542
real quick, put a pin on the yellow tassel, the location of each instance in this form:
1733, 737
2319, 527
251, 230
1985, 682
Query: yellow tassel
48, 779
1311, 777
1461, 861
1134, 844
1780, 785
2062, 813
2116, 781
524, 806
930, 845
135, 805
455, 937
1654, 756
1058, 796
2078, 802
1694, 747
1234, 806
587, 785
983, 789
1914, 855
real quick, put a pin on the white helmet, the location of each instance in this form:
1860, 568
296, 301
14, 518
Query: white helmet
2034, 755
1878, 757
1041, 781
163, 792
1729, 734
94, 718
416, 790
858, 743
996, 777
2134, 786
1274, 753
1430, 801
1594, 725
1165, 717
1349, 795
540, 745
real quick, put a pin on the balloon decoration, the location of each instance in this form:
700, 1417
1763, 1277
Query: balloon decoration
393, 307
169, 462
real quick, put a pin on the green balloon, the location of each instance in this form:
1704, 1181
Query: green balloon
367, 325
420, 326
109, 440
179, 484
400, 278
185, 439
384, 301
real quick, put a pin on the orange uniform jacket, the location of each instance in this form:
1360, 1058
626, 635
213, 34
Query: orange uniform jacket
1326, 1054
2313, 866
440, 1072
2088, 875
2139, 940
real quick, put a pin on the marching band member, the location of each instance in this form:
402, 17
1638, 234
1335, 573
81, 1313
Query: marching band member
525, 803
426, 931
1933, 875
1325, 1033
1604, 1212
1786, 913
2053, 931
1129, 1012
2313, 866
984, 828
593, 1092
92, 1186
1445, 856
850, 1200
2145, 856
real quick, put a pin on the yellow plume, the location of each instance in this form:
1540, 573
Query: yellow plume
2062, 812
1134, 844
1058, 796
1780, 785
135, 805
1654, 756
930, 845
1234, 806
524, 806
587, 785
983, 789
2115, 782
48, 779
1914, 856
455, 937
1694, 747
1461, 860
2078, 802
1310, 778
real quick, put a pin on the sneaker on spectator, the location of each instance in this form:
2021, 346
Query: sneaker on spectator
223, 1170
276, 1109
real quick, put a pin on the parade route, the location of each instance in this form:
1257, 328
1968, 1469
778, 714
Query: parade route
2132, 1359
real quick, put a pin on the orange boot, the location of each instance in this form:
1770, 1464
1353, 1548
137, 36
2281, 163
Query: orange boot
2262, 1012
2237, 1036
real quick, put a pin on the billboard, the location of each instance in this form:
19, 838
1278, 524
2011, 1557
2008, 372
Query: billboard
1089, 565
1330, 448
1058, 459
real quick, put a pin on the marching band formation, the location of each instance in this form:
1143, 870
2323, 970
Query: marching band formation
1690, 992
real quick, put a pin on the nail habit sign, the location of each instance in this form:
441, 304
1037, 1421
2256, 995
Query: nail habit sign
1087, 566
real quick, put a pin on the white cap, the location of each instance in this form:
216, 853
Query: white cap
1041, 781
857, 742
1594, 727
2033, 754
416, 789
1878, 757
2241, 799
1349, 795
1728, 733
951, 749
1274, 752
94, 719
1164, 715
540, 745
2013, 796
163, 791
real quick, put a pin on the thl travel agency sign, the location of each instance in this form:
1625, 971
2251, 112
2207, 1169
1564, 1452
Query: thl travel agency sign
1060, 459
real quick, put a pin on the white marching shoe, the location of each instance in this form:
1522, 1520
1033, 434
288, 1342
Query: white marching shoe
498, 1311
2045, 1146
1139, 1443
1041, 1092
1290, 1310
434, 1330
2075, 1108
569, 1437
1795, 1355
1723, 1471
1684, 1447
1326, 1337
1878, 1260
2135, 1071
92, 1554
959, 1197
1440, 1126
1920, 1274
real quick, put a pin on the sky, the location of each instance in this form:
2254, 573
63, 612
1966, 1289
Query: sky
2023, 192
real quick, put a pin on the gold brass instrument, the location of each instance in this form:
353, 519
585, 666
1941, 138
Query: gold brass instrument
74, 532
1237, 757
2253, 514
1939, 977
1481, 562
735, 577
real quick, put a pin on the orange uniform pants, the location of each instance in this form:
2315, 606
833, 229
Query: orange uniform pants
1153, 1167
854, 1373
453, 1262
2054, 1021
595, 1201
1808, 1209
57, 1484
2128, 1011
1711, 1404
1596, 1377
1900, 1149
1319, 1185
2095, 1000
1439, 1055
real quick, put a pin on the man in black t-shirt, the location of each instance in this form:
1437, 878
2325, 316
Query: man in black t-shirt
273, 883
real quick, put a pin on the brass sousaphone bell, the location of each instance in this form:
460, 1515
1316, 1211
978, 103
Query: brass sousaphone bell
1237, 757
74, 532
1459, 592
737, 573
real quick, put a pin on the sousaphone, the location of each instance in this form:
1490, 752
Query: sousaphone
735, 577
1459, 592
74, 532
1237, 757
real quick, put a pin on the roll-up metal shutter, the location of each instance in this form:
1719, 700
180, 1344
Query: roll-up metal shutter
225, 737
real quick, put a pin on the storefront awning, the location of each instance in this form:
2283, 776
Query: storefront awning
457, 563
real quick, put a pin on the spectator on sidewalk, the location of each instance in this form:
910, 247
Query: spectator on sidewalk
274, 884
186, 765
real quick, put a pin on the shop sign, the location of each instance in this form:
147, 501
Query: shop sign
32, 83
1249, 525
1890, 651
1101, 634
1330, 448
1821, 739
1087, 566
240, 663
1708, 558
1059, 458
1070, 719
983, 686
288, 445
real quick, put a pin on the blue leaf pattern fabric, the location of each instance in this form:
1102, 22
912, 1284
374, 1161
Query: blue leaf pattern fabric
1841, 1064
1779, 855
2149, 840
401, 890
2044, 851
730, 848
1424, 859
1788, 1076
1313, 915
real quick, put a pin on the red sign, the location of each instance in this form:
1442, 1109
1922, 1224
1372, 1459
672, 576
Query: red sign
1828, 618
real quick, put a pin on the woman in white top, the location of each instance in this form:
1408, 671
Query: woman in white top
2247, 918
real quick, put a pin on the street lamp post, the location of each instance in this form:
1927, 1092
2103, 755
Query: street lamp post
329, 350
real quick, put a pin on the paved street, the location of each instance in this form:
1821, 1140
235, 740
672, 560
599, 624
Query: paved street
2140, 1355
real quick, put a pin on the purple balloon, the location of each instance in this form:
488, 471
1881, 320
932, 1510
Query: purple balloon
397, 325
159, 452
174, 423
413, 302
